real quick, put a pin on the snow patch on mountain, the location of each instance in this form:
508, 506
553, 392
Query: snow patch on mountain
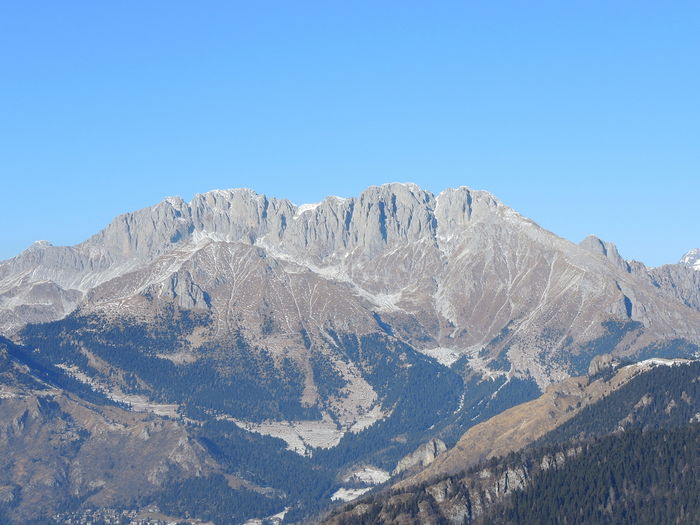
444, 356
301, 436
368, 419
369, 475
349, 494
657, 361
306, 207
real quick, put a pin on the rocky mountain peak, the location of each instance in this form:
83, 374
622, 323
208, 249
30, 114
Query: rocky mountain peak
607, 249
691, 259
40, 244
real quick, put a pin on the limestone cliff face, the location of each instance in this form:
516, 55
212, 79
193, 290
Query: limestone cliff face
421, 457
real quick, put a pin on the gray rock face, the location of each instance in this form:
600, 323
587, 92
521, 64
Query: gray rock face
607, 250
446, 273
678, 281
601, 363
421, 457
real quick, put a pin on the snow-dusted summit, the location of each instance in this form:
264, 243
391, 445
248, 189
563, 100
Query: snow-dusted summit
692, 259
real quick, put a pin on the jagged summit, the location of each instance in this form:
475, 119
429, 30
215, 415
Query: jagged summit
596, 244
380, 214
606, 249
335, 230
691, 259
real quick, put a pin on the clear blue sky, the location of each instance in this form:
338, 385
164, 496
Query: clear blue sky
583, 115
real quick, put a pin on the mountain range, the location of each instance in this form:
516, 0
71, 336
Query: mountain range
336, 337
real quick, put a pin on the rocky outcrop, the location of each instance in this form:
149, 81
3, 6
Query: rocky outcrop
602, 363
421, 457
607, 250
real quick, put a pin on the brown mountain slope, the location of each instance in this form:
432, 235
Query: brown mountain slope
521, 425
58, 450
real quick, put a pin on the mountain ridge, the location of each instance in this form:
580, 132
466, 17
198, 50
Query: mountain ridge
383, 245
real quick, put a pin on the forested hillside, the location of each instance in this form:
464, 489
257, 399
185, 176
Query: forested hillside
633, 457
636, 478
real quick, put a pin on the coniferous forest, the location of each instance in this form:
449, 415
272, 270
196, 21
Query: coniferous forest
636, 477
